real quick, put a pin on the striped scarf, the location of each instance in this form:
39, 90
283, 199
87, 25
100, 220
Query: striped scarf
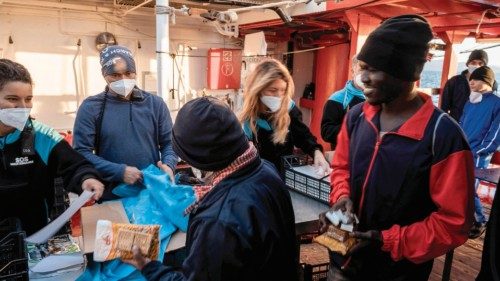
200, 191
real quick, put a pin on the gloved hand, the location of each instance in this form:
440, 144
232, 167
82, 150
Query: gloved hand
368, 238
344, 204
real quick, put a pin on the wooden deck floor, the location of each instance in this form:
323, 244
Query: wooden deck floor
466, 260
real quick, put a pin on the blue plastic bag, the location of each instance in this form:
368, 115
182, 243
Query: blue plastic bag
158, 202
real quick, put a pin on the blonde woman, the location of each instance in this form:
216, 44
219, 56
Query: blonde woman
270, 118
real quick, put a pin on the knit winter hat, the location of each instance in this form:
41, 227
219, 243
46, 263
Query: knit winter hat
484, 74
478, 55
111, 55
207, 134
398, 47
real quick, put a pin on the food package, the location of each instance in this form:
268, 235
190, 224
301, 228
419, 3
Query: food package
115, 240
336, 239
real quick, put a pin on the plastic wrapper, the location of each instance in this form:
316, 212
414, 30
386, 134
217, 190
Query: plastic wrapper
336, 240
115, 240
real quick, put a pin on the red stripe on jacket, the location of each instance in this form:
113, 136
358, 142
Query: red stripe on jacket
339, 178
450, 189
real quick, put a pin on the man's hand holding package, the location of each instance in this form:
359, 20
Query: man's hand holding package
138, 260
344, 204
365, 239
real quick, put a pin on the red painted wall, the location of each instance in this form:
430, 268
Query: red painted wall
332, 66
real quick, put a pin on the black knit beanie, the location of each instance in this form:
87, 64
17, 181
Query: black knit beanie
484, 74
207, 134
398, 47
478, 55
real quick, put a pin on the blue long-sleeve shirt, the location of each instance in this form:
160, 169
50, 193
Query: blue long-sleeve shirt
481, 124
134, 133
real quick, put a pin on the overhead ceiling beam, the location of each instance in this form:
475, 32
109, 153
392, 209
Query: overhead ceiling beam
464, 27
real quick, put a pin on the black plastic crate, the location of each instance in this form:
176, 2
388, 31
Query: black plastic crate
314, 262
13, 258
317, 272
316, 188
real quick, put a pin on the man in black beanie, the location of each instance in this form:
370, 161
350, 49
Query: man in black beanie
242, 224
401, 165
456, 91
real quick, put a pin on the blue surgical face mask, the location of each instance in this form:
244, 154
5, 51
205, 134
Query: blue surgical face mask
273, 103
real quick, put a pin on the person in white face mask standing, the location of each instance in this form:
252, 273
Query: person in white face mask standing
124, 129
32, 155
339, 103
456, 91
481, 124
272, 121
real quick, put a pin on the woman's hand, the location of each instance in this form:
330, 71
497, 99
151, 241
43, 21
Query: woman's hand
321, 163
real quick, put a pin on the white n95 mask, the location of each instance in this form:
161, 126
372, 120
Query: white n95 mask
475, 97
122, 87
15, 117
471, 68
273, 103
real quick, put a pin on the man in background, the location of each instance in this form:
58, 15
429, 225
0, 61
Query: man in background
339, 103
456, 91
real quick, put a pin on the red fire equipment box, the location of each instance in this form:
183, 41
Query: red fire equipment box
224, 69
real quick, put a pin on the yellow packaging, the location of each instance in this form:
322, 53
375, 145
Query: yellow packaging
336, 240
115, 240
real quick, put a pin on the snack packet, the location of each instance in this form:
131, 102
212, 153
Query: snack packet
115, 240
336, 238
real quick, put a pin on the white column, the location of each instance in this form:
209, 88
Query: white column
162, 52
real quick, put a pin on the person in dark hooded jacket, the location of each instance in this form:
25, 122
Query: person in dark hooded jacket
241, 226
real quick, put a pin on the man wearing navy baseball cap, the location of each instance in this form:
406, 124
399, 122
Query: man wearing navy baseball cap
124, 129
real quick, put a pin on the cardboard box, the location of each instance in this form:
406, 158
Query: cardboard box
112, 211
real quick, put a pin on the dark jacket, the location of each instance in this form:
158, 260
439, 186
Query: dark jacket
456, 93
415, 185
27, 179
335, 109
242, 230
299, 136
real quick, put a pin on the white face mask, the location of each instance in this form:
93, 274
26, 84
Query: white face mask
475, 97
15, 117
273, 103
471, 68
122, 87
358, 82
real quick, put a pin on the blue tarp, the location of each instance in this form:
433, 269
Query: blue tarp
156, 202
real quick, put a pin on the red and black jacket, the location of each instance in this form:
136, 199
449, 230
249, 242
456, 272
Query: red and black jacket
415, 184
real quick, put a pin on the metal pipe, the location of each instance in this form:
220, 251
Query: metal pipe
136, 7
265, 6
162, 49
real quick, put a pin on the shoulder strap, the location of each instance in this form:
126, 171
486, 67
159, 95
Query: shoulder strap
98, 125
